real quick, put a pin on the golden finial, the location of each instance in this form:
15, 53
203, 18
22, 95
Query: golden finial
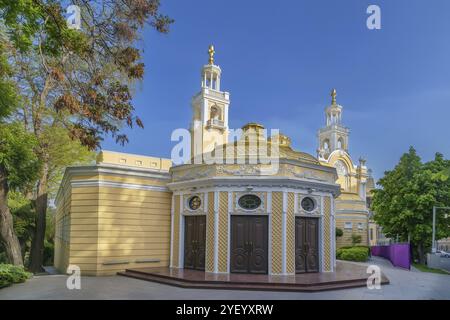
333, 96
211, 54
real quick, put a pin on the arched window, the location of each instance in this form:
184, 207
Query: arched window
326, 144
214, 113
340, 144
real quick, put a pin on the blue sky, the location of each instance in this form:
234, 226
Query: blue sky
279, 61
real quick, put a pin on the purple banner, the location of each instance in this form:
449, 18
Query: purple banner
398, 254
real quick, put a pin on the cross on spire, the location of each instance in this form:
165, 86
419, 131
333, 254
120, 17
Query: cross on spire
211, 54
333, 96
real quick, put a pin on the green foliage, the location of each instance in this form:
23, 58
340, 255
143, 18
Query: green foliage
339, 232
425, 268
49, 241
357, 246
404, 204
356, 238
86, 75
63, 152
16, 155
26, 18
23, 212
10, 274
359, 254
71, 85
8, 94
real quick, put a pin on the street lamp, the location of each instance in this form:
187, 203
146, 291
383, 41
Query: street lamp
433, 245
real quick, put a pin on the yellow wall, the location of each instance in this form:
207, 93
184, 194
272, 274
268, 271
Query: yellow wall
346, 239
277, 232
223, 233
290, 234
373, 231
62, 248
209, 263
133, 160
327, 247
114, 227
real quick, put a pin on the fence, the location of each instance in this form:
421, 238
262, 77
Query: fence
437, 262
399, 254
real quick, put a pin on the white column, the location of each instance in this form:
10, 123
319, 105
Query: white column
172, 210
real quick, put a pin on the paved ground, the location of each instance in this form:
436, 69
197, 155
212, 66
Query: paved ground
404, 285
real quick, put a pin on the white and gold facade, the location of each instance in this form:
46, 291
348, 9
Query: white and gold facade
351, 207
131, 211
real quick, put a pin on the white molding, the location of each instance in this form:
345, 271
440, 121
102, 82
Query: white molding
186, 207
237, 209
172, 214
116, 170
181, 238
262, 183
103, 183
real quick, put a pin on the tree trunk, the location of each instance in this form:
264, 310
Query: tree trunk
7, 235
421, 253
37, 245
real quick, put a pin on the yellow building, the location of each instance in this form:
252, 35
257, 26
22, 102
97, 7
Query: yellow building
352, 214
235, 216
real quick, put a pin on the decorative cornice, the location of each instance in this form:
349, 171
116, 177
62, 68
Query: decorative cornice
110, 169
97, 183
252, 181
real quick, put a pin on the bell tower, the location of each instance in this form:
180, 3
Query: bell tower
209, 126
334, 136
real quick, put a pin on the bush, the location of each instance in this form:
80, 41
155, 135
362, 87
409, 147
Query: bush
339, 233
356, 238
359, 254
12, 274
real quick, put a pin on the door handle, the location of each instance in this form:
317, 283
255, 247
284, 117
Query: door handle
248, 247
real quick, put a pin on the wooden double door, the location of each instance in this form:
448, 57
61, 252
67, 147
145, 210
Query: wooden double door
249, 244
306, 244
195, 242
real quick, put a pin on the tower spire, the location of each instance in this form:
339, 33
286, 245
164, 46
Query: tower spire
211, 54
333, 96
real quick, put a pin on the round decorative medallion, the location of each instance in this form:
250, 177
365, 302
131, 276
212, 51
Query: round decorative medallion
341, 168
249, 202
308, 204
195, 203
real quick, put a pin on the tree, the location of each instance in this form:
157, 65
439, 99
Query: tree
79, 81
339, 232
404, 204
356, 239
18, 167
